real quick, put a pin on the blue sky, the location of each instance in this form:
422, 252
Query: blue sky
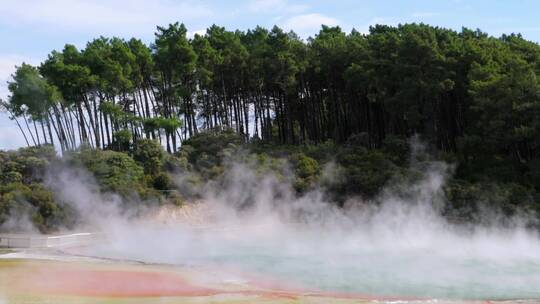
30, 29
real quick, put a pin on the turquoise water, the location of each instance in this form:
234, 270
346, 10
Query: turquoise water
392, 275
413, 273
434, 265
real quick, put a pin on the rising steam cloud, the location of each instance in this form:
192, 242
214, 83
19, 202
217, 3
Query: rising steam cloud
398, 244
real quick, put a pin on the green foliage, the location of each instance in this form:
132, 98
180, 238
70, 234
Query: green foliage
173, 53
266, 164
122, 140
114, 171
469, 200
150, 155
30, 93
151, 124
112, 109
26, 165
45, 152
396, 149
455, 89
305, 166
206, 148
33, 203
25, 200
351, 98
365, 171
306, 171
10, 177
169, 124
162, 181
173, 163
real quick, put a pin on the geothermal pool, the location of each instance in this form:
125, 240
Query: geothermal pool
256, 241
430, 265
265, 263
381, 257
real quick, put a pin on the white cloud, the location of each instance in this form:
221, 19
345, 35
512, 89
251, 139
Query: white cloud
122, 16
191, 34
308, 24
273, 6
364, 29
425, 14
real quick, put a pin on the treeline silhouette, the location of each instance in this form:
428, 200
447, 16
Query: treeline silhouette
464, 92
345, 100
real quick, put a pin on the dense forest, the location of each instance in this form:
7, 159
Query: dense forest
464, 92
474, 99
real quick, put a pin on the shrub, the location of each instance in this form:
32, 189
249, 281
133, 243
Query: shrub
122, 140
162, 181
149, 154
306, 171
305, 166
365, 171
210, 145
114, 171
35, 202
397, 149
10, 177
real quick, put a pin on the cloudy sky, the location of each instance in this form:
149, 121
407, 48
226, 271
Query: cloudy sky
30, 29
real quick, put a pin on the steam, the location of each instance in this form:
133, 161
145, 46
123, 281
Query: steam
19, 220
78, 187
398, 244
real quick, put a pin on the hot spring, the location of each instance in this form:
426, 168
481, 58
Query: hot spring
398, 263
400, 247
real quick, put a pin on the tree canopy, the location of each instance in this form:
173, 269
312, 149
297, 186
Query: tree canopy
466, 93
